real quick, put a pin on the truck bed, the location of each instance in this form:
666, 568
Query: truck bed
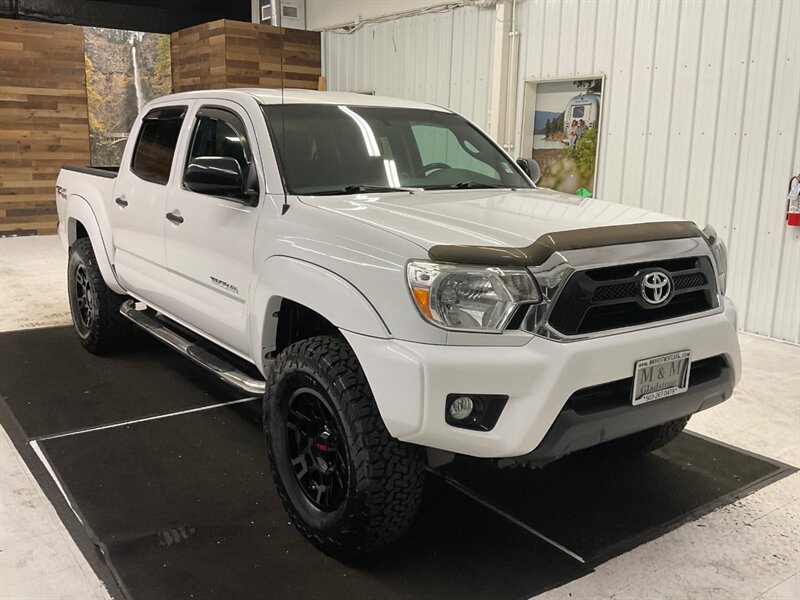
107, 172
85, 185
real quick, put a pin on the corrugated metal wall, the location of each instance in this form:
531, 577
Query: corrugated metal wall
701, 110
701, 120
442, 58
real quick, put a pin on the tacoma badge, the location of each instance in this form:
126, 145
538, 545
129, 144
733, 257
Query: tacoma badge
225, 285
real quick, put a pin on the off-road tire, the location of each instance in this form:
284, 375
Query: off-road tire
386, 477
650, 439
108, 330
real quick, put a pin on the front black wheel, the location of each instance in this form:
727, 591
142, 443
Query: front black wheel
348, 486
94, 306
316, 449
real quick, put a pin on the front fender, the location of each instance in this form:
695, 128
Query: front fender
78, 210
315, 287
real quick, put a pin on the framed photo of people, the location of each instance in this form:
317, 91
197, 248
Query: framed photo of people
561, 126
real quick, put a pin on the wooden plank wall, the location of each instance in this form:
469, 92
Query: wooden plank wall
198, 57
43, 110
232, 54
43, 120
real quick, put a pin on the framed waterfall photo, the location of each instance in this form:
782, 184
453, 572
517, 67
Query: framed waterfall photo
561, 126
124, 70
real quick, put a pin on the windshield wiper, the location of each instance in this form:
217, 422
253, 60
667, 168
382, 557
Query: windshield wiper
468, 185
360, 189
473, 185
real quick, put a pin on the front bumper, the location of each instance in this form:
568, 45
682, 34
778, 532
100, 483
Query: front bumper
411, 382
582, 424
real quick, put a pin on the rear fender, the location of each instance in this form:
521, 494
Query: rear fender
78, 210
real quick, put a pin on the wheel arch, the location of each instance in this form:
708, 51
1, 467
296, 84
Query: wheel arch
292, 289
82, 222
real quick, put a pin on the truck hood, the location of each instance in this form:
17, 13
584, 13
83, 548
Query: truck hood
480, 217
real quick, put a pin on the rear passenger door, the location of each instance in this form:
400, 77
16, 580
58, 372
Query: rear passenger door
209, 238
140, 195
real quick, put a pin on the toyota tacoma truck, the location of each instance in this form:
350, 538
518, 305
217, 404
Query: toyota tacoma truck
398, 290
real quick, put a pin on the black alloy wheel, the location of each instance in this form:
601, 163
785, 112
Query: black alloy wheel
85, 298
316, 450
348, 486
94, 306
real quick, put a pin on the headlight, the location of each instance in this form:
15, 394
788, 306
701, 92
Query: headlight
469, 298
720, 253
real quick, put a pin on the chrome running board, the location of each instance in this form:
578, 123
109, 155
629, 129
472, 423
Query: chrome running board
212, 363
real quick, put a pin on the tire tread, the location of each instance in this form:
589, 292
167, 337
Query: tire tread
110, 330
388, 473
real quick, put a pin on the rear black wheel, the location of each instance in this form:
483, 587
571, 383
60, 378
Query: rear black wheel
84, 298
94, 306
348, 486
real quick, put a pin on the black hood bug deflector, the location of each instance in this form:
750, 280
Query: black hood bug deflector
550, 243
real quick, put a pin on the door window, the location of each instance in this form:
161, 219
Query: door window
219, 132
155, 147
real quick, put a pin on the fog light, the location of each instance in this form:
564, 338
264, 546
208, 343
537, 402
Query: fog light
461, 408
474, 411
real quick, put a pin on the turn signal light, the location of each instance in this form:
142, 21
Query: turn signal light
422, 297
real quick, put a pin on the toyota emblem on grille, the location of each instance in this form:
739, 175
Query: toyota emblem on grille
656, 287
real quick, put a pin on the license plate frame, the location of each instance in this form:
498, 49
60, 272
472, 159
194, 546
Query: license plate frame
664, 375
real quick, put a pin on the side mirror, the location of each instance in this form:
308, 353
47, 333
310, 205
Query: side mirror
531, 168
215, 176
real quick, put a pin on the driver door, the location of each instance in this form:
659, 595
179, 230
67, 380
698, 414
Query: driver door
210, 238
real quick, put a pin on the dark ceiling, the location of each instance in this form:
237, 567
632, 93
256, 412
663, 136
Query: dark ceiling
158, 16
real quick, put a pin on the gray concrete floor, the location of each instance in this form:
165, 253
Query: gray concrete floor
749, 549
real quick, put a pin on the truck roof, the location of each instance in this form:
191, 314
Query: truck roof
298, 96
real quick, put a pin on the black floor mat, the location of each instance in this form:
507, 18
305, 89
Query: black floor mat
53, 385
184, 506
599, 505
195, 515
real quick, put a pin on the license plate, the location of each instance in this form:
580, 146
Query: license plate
661, 376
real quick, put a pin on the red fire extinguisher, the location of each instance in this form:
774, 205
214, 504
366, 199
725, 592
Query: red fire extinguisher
793, 206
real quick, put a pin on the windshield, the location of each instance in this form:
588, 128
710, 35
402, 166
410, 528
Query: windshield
330, 149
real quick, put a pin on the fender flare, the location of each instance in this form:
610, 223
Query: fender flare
315, 287
78, 210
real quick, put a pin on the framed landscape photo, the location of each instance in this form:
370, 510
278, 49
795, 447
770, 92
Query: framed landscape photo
124, 71
561, 125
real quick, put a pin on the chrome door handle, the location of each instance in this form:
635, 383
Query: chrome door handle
174, 218
121, 202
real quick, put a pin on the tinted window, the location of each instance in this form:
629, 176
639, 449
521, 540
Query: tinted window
152, 157
220, 134
439, 144
327, 149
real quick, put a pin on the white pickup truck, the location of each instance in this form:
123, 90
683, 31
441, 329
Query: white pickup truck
398, 289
